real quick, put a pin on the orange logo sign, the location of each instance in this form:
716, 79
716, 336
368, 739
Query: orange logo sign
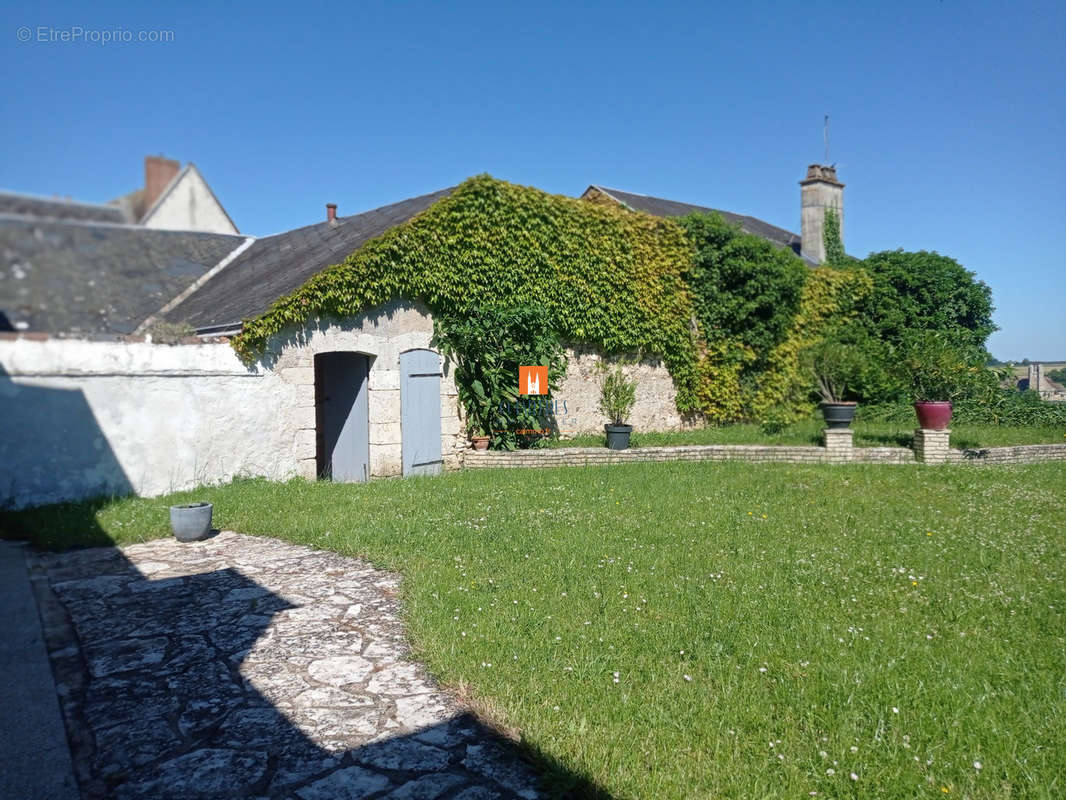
532, 380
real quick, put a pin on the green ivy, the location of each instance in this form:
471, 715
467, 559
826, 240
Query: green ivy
607, 276
487, 345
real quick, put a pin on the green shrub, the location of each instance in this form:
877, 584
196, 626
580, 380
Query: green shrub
836, 362
487, 345
939, 369
617, 395
745, 290
915, 291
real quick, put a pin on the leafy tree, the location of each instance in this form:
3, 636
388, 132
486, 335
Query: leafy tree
923, 291
745, 290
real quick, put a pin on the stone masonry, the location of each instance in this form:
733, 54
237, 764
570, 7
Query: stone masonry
248, 667
931, 447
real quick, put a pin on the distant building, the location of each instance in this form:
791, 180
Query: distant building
1037, 381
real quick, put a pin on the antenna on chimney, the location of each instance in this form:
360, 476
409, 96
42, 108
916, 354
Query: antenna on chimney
825, 139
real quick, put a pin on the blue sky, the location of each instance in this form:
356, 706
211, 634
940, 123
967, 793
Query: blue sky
948, 119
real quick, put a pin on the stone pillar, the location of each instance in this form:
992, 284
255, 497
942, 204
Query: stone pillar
837, 443
931, 447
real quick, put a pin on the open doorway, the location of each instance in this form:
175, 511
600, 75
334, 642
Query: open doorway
342, 417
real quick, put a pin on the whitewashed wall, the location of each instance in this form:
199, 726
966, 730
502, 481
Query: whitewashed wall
83, 418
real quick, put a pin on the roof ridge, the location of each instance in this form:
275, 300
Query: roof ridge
90, 223
110, 204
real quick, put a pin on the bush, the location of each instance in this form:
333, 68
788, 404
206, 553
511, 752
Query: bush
938, 369
915, 291
745, 290
617, 395
836, 362
487, 346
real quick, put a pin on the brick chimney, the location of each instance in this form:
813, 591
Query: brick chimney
331, 212
819, 192
158, 172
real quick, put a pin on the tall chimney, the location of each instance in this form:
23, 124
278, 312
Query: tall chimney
331, 212
820, 192
158, 172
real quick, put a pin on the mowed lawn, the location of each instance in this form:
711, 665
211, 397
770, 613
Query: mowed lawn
714, 630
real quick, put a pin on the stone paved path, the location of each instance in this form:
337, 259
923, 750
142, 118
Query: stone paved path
247, 667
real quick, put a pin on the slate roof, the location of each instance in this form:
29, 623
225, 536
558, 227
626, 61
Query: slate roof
275, 266
97, 279
27, 205
659, 207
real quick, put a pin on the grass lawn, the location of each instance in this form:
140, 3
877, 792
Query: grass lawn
809, 432
681, 630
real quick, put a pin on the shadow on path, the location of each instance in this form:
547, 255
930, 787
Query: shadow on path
176, 682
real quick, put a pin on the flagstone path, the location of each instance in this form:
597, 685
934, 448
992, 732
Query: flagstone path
248, 667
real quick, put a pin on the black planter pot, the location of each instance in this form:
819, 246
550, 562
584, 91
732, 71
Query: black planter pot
618, 436
838, 415
192, 522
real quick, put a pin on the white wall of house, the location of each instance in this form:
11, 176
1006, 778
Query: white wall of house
189, 205
83, 418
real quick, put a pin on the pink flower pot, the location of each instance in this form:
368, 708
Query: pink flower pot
933, 416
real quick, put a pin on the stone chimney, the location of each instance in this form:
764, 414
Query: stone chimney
158, 172
820, 191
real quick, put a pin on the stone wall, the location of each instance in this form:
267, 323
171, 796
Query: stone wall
81, 418
655, 408
382, 334
835, 452
590, 456
1020, 454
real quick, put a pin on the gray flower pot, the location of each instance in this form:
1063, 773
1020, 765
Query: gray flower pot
191, 522
618, 436
838, 415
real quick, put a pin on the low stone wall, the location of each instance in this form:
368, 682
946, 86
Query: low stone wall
1019, 454
590, 456
837, 452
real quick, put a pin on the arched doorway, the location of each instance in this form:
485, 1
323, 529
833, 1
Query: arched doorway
342, 418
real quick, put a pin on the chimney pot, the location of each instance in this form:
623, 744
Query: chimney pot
331, 212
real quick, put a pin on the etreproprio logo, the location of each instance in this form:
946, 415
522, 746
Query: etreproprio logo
535, 400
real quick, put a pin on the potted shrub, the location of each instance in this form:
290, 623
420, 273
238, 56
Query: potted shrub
937, 371
191, 522
836, 363
617, 396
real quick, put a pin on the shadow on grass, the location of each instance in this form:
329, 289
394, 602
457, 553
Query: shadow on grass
159, 702
60, 526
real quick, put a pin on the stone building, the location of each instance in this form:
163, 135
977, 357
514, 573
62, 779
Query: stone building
93, 404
